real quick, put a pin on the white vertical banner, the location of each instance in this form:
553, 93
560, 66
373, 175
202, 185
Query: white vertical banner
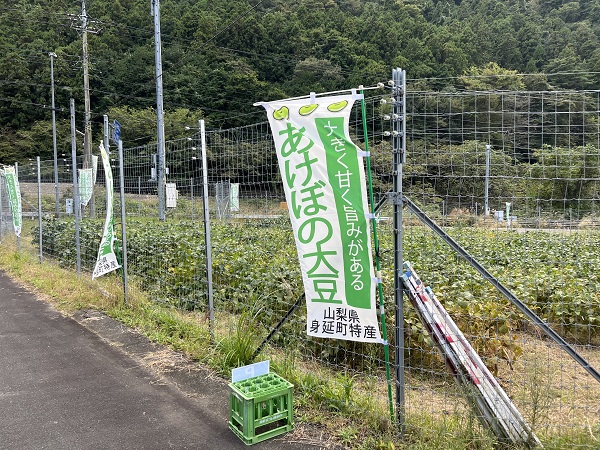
14, 197
86, 185
95, 168
324, 181
234, 197
107, 260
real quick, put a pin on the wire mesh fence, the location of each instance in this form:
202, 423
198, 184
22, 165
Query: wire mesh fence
512, 177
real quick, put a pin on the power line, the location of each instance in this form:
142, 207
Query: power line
22, 102
233, 22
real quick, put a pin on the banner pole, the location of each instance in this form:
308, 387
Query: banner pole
123, 223
16, 180
207, 241
386, 349
76, 202
2, 178
39, 182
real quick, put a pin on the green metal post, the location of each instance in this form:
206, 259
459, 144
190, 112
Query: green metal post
386, 349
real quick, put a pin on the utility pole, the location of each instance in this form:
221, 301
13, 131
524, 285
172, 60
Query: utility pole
87, 135
87, 139
52, 55
161, 175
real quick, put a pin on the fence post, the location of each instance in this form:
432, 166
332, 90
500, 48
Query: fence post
19, 236
123, 222
207, 243
76, 205
192, 195
1, 208
39, 180
488, 149
399, 157
105, 129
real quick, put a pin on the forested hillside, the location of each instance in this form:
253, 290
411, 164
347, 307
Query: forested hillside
220, 56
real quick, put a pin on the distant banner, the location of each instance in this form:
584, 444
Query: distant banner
324, 182
95, 167
86, 185
107, 260
234, 196
14, 197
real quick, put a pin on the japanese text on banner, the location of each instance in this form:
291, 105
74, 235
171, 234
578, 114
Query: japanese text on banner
324, 182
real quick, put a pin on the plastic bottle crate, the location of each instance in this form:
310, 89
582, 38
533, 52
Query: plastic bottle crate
261, 407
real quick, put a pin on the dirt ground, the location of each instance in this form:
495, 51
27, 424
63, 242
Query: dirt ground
554, 393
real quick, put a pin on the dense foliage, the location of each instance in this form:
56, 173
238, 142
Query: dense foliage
220, 56
256, 269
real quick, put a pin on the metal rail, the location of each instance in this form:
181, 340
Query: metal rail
503, 289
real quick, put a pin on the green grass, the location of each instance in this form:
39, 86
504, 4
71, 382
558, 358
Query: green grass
343, 403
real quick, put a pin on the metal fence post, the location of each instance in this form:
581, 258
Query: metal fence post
207, 243
76, 205
192, 195
17, 177
123, 222
399, 157
39, 180
488, 149
105, 137
1, 208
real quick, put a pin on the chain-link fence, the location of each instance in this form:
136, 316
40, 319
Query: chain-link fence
511, 177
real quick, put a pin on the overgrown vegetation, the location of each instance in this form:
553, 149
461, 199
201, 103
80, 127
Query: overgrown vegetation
168, 260
276, 49
341, 401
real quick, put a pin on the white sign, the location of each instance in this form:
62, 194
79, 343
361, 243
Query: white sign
86, 185
324, 181
234, 196
172, 195
250, 371
14, 197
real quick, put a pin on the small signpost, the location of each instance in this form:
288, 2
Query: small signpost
69, 206
116, 133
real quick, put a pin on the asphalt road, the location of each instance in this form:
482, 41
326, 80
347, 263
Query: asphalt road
81, 383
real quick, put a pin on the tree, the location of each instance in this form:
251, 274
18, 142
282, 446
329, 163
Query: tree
456, 173
566, 179
138, 126
569, 69
492, 77
315, 75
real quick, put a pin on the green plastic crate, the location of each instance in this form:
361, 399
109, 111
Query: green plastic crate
261, 408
